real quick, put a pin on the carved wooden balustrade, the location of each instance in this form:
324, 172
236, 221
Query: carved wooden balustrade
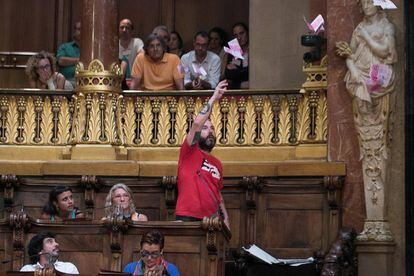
160, 119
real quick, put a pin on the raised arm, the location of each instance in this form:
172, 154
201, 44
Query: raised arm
195, 131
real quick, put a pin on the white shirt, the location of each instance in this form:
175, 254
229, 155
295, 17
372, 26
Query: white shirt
64, 267
131, 51
211, 64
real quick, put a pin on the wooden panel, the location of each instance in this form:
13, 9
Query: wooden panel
192, 16
33, 18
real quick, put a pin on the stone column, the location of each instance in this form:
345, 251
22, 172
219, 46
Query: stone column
96, 127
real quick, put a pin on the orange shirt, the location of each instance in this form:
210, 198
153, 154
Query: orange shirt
157, 75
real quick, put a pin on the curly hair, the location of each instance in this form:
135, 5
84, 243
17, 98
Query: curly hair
108, 202
36, 245
34, 60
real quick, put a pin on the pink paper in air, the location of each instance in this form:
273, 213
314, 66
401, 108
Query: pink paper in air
199, 70
316, 25
379, 76
385, 4
234, 49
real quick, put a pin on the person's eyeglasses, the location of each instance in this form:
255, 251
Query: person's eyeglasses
153, 255
43, 67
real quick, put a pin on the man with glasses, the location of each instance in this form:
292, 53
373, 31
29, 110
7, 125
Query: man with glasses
202, 68
156, 69
152, 261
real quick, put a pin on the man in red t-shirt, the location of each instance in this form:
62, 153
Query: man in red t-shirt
200, 175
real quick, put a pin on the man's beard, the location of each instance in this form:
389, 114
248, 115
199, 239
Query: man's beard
208, 143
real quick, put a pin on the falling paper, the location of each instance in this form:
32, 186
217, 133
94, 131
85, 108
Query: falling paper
317, 24
199, 70
234, 49
182, 69
385, 4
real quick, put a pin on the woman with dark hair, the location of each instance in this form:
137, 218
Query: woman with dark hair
42, 73
61, 205
237, 70
217, 38
175, 45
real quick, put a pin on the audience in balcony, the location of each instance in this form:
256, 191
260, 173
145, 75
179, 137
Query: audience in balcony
44, 250
163, 32
61, 205
217, 39
201, 67
42, 73
237, 70
175, 45
152, 261
156, 69
120, 202
129, 46
68, 55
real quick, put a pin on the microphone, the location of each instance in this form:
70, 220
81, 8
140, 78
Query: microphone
30, 256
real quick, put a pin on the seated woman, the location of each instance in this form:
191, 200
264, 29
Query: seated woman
175, 45
217, 39
42, 73
237, 70
120, 197
61, 205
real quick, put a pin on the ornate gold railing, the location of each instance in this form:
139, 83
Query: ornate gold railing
160, 119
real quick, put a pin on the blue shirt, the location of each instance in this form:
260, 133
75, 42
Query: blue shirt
130, 268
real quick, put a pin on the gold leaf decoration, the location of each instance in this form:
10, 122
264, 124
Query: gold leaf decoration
267, 123
94, 118
250, 122
163, 123
129, 121
232, 122
146, 123
109, 122
29, 122
322, 123
181, 125
47, 122
284, 121
303, 119
64, 122
12, 121
215, 118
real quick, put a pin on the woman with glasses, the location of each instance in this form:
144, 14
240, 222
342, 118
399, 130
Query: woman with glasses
152, 261
119, 201
42, 73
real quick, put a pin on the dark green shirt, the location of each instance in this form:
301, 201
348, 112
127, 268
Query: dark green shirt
70, 49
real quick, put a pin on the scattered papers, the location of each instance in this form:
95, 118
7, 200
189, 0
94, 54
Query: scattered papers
317, 24
379, 76
182, 69
199, 70
385, 4
266, 257
234, 49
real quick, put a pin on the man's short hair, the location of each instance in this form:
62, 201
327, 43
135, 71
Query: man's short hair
160, 28
153, 237
150, 39
130, 22
36, 245
203, 34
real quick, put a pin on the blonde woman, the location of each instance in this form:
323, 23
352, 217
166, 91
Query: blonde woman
121, 196
42, 73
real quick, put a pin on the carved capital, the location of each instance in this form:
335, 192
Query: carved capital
91, 184
253, 185
9, 182
212, 225
19, 222
333, 185
116, 225
45, 271
376, 230
169, 184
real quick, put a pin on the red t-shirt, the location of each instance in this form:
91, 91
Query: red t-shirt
200, 178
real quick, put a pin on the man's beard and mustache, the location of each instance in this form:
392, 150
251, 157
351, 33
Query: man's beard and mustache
208, 143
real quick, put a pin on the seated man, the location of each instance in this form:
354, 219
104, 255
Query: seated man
156, 69
152, 262
68, 55
43, 250
202, 68
129, 46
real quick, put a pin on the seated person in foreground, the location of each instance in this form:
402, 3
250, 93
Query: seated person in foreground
202, 67
152, 262
156, 69
61, 205
44, 250
42, 73
120, 201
